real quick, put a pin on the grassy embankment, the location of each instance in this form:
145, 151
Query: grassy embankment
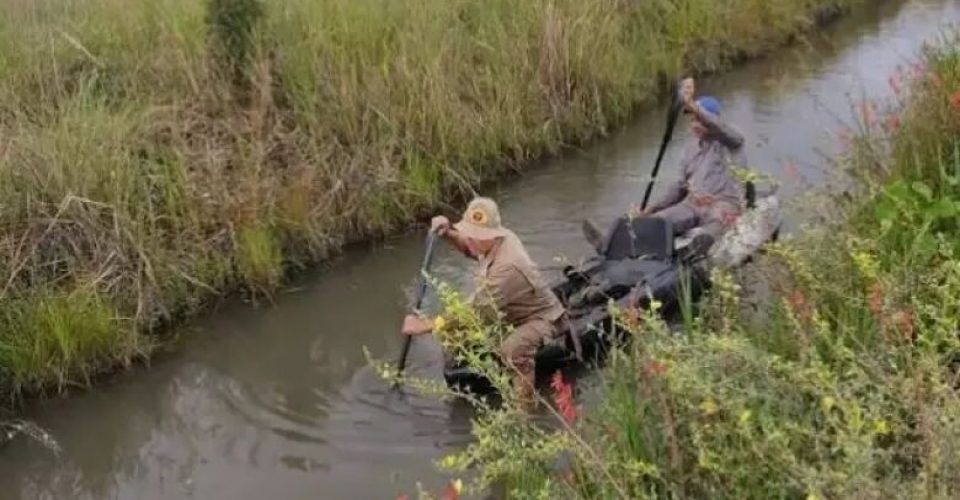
157, 154
842, 385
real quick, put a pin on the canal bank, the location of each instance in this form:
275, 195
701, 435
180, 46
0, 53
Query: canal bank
159, 156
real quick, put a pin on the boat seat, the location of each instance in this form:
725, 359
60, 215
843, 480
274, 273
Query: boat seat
642, 237
751, 193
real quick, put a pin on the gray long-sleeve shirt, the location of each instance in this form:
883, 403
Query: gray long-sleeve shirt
705, 167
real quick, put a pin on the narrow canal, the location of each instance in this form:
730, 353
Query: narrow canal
274, 403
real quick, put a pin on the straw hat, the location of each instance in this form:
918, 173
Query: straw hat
481, 221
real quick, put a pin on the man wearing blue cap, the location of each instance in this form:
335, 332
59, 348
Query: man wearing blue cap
706, 195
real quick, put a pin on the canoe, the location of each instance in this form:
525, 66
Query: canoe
640, 260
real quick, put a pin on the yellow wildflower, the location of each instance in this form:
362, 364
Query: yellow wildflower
880, 427
866, 263
709, 407
827, 403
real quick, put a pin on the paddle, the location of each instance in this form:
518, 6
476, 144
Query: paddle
672, 114
421, 291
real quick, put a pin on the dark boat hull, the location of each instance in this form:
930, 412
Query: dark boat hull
587, 294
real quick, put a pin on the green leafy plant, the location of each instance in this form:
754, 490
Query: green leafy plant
842, 383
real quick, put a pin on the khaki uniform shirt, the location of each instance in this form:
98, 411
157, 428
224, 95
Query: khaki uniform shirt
510, 289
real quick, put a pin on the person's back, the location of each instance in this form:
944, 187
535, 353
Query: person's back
510, 283
706, 168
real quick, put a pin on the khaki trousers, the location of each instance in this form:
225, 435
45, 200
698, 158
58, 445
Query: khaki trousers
518, 352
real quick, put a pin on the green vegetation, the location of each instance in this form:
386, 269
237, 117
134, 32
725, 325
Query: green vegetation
843, 384
158, 153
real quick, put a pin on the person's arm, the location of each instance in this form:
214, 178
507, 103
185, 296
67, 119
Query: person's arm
486, 301
441, 225
720, 129
723, 131
503, 286
675, 193
416, 324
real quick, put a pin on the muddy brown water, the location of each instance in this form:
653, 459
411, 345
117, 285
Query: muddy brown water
275, 402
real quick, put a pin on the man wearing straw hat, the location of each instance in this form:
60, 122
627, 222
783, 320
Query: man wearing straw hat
509, 288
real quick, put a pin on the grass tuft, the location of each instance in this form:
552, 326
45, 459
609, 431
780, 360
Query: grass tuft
61, 337
259, 257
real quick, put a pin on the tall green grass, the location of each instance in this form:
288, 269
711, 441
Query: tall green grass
842, 385
162, 152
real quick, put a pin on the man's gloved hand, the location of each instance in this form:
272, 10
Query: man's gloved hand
635, 211
688, 90
440, 225
415, 325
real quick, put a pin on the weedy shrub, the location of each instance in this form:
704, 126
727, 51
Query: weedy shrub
843, 384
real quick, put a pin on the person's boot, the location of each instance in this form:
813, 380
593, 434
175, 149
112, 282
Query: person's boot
593, 235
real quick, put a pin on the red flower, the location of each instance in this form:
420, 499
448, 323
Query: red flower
955, 100
563, 397
893, 122
791, 170
450, 492
876, 296
905, 322
632, 318
917, 70
894, 82
935, 80
866, 109
655, 368
799, 305
846, 138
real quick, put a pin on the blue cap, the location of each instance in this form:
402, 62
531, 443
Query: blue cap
710, 105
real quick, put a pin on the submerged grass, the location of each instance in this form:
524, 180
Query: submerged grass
59, 333
843, 384
159, 153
